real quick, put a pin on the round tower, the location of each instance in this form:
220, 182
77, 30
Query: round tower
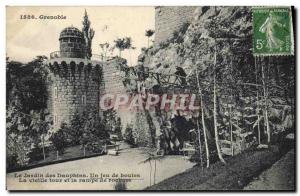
72, 43
75, 80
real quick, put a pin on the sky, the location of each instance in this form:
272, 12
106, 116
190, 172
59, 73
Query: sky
26, 39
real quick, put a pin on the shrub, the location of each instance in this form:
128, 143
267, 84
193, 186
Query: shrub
178, 36
129, 135
12, 161
36, 154
163, 45
74, 133
59, 140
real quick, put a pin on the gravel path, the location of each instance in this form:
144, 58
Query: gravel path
127, 163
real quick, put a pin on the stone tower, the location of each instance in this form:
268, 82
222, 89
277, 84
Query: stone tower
75, 79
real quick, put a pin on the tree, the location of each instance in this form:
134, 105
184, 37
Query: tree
27, 118
215, 121
41, 124
118, 128
76, 130
18, 140
58, 138
88, 35
203, 119
27, 103
128, 135
104, 48
240, 99
122, 44
22, 80
40, 67
94, 132
265, 94
149, 33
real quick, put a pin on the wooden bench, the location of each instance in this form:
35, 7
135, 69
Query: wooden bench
115, 146
108, 149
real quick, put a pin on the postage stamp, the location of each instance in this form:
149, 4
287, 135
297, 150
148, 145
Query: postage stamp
272, 31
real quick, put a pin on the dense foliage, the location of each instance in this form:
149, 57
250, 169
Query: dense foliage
27, 119
245, 100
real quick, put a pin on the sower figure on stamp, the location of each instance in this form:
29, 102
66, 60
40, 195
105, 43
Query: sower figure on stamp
273, 42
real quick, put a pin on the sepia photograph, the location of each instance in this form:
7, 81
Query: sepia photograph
150, 98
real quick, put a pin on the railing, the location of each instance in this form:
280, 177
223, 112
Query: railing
59, 54
54, 55
97, 57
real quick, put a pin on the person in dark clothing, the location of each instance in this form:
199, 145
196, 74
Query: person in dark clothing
181, 75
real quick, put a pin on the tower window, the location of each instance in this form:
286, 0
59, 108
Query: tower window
83, 99
55, 92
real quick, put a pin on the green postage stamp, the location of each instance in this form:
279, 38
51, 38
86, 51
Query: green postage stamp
272, 31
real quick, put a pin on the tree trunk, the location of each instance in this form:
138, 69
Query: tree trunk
215, 108
43, 146
258, 116
215, 123
230, 109
266, 104
257, 98
200, 145
205, 134
203, 120
154, 171
258, 124
231, 134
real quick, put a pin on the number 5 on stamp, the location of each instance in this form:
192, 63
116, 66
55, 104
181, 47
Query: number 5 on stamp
272, 31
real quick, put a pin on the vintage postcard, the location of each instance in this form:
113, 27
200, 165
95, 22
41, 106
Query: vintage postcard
164, 98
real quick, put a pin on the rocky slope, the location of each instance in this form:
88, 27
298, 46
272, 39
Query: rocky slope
193, 46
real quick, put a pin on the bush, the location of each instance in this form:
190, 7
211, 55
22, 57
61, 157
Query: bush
213, 157
95, 147
74, 133
36, 154
178, 36
59, 140
12, 161
163, 45
129, 136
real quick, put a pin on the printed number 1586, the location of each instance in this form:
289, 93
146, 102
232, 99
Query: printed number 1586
27, 16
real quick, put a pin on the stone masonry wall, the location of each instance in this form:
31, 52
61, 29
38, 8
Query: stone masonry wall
112, 78
75, 88
169, 19
112, 83
72, 43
